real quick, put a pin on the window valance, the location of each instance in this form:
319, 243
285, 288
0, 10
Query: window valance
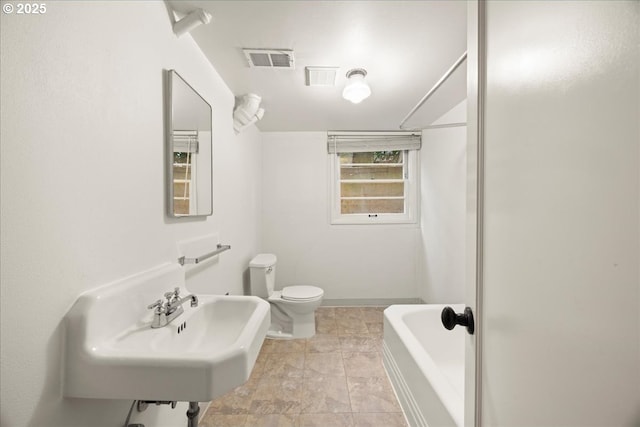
185, 142
358, 142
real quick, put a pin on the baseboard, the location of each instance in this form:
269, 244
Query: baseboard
354, 302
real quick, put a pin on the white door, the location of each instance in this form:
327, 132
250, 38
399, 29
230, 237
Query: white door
558, 307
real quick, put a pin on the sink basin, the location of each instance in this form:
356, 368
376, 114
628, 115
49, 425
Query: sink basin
113, 353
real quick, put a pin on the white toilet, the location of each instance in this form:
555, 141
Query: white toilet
293, 308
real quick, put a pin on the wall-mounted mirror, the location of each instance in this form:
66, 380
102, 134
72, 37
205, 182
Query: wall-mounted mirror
190, 150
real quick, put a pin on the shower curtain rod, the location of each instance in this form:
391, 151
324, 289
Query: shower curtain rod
433, 89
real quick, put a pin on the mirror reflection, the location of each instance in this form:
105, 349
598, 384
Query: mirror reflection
190, 151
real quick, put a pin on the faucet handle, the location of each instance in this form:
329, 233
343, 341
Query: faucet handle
172, 294
157, 304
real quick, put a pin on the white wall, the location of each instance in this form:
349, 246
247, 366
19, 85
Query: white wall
560, 325
83, 186
348, 262
443, 188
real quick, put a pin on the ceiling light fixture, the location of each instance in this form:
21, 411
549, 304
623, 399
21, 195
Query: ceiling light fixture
194, 19
356, 89
247, 112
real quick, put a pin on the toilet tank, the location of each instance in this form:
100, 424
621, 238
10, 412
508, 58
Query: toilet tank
262, 275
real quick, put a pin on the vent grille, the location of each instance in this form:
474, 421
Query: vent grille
270, 58
321, 76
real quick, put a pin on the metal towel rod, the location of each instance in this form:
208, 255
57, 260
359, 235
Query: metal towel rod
219, 248
433, 89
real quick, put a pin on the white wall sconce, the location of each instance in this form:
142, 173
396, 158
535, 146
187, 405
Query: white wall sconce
247, 112
191, 21
356, 89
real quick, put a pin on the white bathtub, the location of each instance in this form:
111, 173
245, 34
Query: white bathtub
425, 363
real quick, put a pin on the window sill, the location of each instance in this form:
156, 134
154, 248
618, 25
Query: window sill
377, 221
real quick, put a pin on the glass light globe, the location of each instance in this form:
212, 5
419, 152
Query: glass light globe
356, 89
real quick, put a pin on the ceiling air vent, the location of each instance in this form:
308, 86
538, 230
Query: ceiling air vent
321, 76
269, 58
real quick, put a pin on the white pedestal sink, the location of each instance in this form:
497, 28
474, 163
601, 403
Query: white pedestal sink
113, 353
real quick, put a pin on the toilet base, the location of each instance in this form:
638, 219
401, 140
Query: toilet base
305, 326
284, 326
279, 335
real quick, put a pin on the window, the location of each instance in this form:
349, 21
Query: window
185, 147
373, 178
182, 171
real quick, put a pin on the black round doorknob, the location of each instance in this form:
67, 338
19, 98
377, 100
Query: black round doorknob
450, 319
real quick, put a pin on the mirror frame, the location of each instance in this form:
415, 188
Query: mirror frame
170, 76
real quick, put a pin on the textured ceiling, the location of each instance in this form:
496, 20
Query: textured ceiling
405, 46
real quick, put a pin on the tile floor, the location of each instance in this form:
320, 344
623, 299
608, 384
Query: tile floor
334, 379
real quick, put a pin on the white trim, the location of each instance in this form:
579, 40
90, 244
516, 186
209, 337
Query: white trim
368, 165
410, 407
476, 90
372, 198
367, 302
369, 181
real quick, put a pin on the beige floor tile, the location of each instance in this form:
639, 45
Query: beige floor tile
372, 395
326, 326
272, 420
325, 395
236, 401
287, 365
348, 313
358, 343
326, 312
377, 339
363, 364
277, 396
334, 379
323, 343
325, 420
374, 327
351, 326
219, 420
379, 420
323, 364
372, 314
283, 346
258, 367
267, 346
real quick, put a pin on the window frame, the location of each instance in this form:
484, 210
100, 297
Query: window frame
190, 183
411, 192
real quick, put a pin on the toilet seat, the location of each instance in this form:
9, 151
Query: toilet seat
301, 293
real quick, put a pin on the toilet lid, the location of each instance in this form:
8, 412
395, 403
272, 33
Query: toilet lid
301, 293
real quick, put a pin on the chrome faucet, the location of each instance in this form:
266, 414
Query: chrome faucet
166, 311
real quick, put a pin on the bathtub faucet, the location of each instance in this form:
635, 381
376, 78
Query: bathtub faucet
165, 312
